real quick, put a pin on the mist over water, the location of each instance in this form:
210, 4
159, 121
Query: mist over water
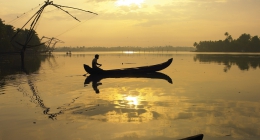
213, 94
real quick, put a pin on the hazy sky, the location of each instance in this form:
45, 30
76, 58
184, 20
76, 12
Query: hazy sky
138, 22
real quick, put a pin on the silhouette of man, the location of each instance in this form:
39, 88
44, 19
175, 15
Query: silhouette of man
95, 64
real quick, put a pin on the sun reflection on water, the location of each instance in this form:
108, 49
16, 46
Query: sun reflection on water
128, 52
132, 100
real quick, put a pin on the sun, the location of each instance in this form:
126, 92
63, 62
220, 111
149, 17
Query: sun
129, 2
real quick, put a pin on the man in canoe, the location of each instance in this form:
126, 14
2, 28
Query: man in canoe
95, 64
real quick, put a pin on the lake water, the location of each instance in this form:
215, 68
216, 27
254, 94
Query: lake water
217, 95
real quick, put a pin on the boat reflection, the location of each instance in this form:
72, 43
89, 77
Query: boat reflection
95, 79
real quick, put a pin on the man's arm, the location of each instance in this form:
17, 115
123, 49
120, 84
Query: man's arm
99, 64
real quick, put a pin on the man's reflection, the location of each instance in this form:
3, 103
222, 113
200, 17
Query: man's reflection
95, 84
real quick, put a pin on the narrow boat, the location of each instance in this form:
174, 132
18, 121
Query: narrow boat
143, 69
196, 137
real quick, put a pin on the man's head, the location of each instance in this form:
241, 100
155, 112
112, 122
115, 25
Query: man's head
97, 56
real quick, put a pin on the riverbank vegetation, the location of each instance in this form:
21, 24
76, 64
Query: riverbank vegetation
8, 47
245, 43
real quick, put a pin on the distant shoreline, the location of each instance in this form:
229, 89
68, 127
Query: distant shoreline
135, 49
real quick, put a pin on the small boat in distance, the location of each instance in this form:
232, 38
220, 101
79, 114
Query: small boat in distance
134, 70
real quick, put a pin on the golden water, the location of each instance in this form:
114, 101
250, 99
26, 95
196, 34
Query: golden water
213, 94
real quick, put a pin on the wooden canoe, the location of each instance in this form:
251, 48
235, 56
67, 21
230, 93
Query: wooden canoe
134, 70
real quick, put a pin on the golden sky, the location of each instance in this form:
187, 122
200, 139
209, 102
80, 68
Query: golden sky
141, 23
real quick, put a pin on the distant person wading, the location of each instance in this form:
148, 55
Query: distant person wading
95, 64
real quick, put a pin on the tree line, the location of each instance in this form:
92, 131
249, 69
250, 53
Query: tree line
245, 43
14, 46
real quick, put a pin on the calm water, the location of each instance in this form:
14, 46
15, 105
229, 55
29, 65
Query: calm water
213, 94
